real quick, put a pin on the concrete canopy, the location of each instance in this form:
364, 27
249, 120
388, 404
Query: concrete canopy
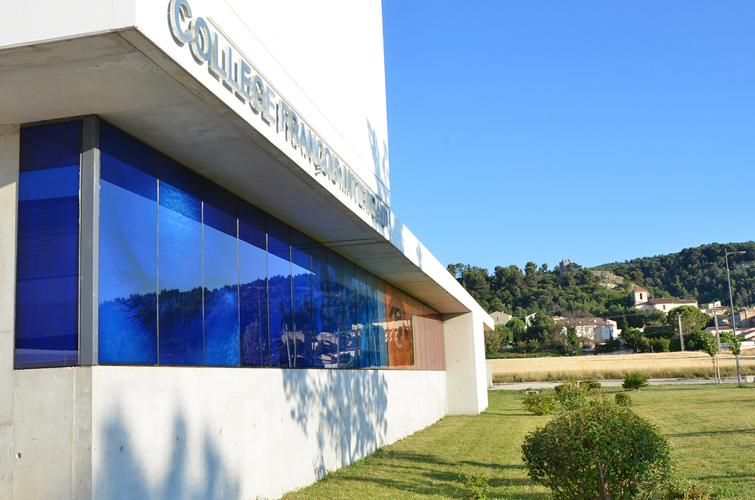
127, 80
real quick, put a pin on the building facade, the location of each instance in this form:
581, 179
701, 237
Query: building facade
641, 300
591, 331
205, 292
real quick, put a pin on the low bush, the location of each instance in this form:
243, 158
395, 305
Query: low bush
570, 395
540, 404
476, 483
660, 345
634, 382
623, 399
590, 384
668, 485
597, 451
595, 392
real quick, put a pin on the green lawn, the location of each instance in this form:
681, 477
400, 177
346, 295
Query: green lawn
711, 431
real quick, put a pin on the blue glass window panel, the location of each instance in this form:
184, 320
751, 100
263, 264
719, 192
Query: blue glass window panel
350, 338
180, 265
336, 303
381, 335
48, 247
363, 318
372, 315
128, 250
253, 285
320, 309
302, 298
282, 345
221, 277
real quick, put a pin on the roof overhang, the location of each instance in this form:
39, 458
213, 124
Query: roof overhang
127, 80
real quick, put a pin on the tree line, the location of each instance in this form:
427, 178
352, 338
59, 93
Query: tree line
694, 273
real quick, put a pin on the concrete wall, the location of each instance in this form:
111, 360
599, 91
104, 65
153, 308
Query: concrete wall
466, 378
111, 432
9, 150
185, 432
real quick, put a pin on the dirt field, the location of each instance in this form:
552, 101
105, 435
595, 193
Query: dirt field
661, 365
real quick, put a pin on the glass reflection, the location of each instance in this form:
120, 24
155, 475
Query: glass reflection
302, 298
372, 319
128, 250
381, 322
363, 318
253, 288
221, 277
320, 308
350, 338
282, 344
180, 265
338, 352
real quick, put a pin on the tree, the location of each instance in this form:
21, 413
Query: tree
708, 344
541, 327
692, 319
623, 324
573, 341
492, 343
636, 340
505, 333
600, 450
735, 346
517, 328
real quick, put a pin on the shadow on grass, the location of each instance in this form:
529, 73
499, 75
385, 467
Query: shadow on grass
427, 474
712, 433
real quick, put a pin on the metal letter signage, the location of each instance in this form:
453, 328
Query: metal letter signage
237, 76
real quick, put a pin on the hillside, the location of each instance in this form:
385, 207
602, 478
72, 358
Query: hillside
694, 273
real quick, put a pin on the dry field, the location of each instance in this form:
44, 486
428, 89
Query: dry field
660, 365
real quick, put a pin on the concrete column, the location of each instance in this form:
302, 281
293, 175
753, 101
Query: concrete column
9, 151
466, 380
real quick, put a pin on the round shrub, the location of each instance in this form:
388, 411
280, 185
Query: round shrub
623, 399
540, 404
595, 450
634, 382
590, 384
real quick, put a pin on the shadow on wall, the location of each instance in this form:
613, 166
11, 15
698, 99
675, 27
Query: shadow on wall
344, 409
380, 159
127, 476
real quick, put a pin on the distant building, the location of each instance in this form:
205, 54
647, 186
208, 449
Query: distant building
500, 317
641, 300
745, 318
591, 331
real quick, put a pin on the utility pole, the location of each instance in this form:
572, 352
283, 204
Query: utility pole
681, 334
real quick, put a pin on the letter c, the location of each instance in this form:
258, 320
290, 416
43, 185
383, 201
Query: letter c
179, 9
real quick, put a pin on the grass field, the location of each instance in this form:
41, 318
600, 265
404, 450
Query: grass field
660, 365
711, 431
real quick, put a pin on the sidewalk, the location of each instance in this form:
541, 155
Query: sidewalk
518, 386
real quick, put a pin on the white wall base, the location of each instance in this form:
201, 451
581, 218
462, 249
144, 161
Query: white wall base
120, 432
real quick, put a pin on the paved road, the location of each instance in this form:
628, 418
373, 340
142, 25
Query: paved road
518, 386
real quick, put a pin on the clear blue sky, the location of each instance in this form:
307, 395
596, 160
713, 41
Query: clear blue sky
598, 131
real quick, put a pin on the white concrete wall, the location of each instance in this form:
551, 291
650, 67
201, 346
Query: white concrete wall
47, 20
9, 150
112, 432
324, 58
166, 432
51, 431
466, 379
